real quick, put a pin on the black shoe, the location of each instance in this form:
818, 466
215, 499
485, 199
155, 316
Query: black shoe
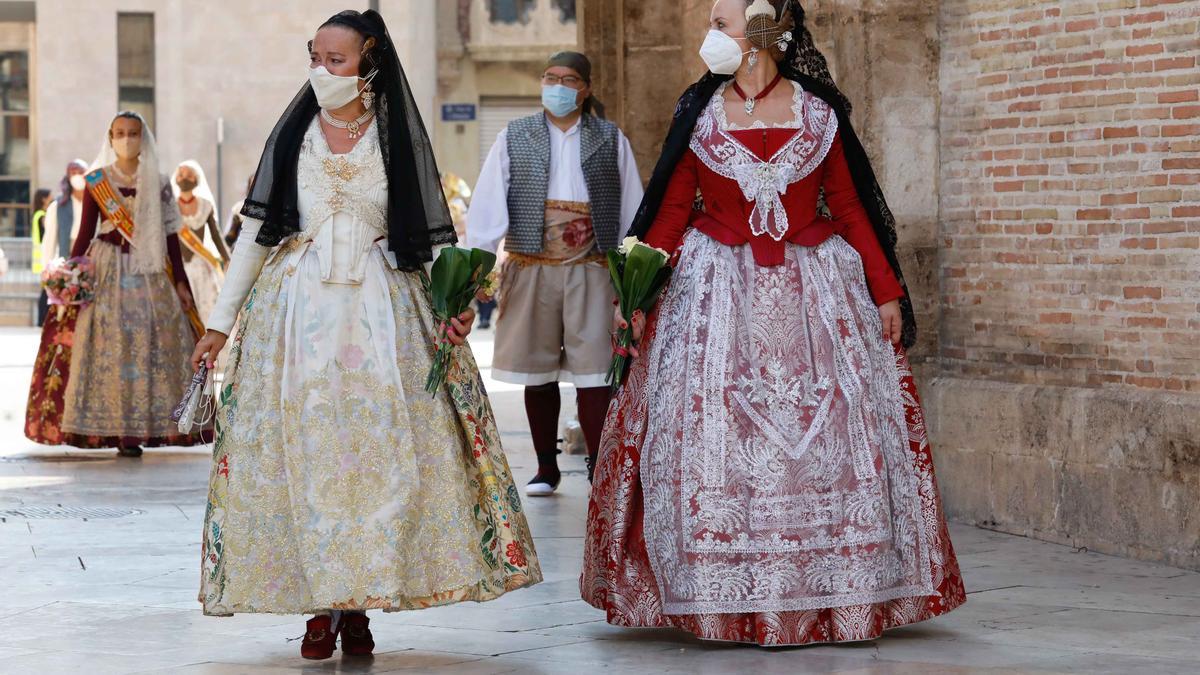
132, 452
484, 325
543, 484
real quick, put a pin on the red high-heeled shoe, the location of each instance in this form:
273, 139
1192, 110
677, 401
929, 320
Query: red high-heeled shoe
319, 639
356, 636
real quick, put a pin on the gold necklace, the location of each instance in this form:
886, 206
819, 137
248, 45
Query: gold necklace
354, 127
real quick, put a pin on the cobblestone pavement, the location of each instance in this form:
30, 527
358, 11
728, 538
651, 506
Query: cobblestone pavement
113, 589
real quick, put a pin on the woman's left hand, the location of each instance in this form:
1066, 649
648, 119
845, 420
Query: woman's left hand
460, 328
889, 314
185, 296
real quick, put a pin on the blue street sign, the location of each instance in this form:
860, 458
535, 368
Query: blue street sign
458, 112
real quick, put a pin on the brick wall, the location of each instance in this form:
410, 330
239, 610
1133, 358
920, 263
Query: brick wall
1070, 192
1069, 263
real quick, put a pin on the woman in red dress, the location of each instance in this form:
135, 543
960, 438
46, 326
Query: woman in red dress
765, 475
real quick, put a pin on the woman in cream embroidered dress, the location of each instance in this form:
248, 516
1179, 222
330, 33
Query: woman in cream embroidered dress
339, 483
204, 253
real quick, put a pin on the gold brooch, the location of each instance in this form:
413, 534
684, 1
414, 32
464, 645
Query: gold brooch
341, 169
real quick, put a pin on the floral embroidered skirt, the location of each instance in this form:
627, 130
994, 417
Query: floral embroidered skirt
43, 413
337, 481
765, 475
110, 374
205, 281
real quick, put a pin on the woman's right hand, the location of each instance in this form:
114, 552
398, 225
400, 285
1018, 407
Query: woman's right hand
639, 326
211, 344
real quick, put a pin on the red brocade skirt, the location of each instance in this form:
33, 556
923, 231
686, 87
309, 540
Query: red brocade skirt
684, 531
51, 372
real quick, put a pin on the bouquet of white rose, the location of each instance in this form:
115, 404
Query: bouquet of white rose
456, 277
639, 273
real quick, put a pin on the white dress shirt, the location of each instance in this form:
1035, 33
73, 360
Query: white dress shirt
50, 228
487, 219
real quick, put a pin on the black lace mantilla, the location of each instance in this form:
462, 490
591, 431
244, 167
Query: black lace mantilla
418, 218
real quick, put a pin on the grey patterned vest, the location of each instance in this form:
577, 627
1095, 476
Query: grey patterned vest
529, 171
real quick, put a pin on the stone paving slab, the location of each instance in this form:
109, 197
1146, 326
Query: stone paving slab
118, 595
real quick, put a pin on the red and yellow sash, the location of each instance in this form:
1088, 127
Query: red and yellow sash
196, 245
113, 210
111, 206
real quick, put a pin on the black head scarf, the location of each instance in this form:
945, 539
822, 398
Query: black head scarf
803, 63
417, 216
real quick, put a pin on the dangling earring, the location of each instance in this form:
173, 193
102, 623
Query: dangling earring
368, 97
753, 61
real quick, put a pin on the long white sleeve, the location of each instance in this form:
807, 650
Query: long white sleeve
437, 250
50, 234
631, 184
487, 219
244, 268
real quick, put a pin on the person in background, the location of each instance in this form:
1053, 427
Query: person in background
560, 188
63, 216
234, 228
41, 199
458, 198
109, 374
204, 252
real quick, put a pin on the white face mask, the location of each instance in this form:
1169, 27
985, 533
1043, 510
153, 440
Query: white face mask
78, 182
127, 147
335, 91
721, 53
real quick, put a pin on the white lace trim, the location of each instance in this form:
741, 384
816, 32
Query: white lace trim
763, 183
776, 466
199, 219
794, 123
347, 183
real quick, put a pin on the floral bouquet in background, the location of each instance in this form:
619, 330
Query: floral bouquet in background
457, 276
639, 273
491, 284
69, 281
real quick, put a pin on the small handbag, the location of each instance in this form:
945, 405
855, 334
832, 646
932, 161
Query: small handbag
198, 406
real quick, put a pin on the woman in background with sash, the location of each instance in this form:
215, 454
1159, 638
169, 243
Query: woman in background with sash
128, 364
204, 252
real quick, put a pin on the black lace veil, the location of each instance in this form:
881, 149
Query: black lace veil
803, 63
418, 218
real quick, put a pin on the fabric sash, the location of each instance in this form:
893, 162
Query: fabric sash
111, 206
113, 210
196, 245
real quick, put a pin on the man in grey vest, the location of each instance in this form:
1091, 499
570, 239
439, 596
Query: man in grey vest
560, 188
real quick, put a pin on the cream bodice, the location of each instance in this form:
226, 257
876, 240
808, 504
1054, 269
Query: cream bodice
343, 203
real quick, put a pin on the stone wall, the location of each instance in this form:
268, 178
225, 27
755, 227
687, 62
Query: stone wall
884, 55
1043, 159
1070, 272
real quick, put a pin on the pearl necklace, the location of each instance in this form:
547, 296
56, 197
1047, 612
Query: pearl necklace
354, 127
121, 176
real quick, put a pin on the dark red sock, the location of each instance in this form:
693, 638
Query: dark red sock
592, 403
543, 404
